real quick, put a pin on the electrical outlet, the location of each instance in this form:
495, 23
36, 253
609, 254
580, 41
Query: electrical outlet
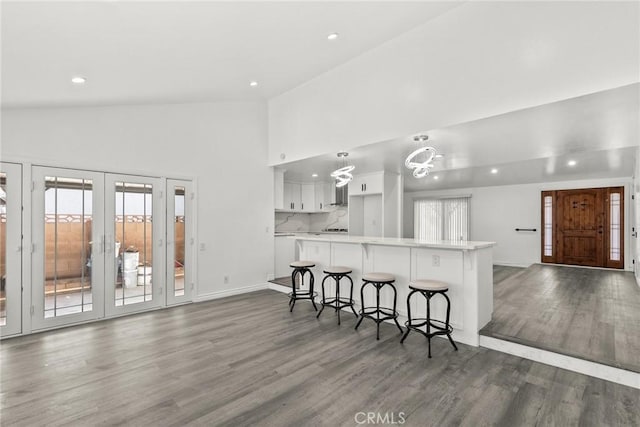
435, 260
203, 247
226, 279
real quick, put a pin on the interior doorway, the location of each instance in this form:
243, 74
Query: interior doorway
583, 227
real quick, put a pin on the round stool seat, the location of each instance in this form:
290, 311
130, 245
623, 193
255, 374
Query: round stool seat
429, 285
337, 269
302, 264
379, 277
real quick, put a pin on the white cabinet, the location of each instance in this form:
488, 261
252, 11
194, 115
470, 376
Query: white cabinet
292, 199
375, 205
325, 196
371, 183
308, 198
302, 197
278, 189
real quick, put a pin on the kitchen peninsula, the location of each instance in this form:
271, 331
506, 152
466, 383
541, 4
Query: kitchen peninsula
465, 265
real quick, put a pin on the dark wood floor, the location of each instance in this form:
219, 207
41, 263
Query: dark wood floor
245, 360
588, 313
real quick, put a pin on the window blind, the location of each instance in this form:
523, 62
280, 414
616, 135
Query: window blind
441, 219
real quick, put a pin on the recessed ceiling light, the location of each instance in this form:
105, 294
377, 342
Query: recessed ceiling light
314, 175
78, 80
494, 170
253, 83
332, 36
436, 177
572, 163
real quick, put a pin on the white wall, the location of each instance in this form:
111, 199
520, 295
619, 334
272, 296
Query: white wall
497, 211
477, 60
222, 145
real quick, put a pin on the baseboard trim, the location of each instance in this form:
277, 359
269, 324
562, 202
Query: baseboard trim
581, 366
279, 288
230, 292
511, 264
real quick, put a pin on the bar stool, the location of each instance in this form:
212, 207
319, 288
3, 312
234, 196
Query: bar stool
300, 268
337, 303
429, 288
378, 280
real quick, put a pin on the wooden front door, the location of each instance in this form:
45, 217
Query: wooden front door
580, 227
583, 227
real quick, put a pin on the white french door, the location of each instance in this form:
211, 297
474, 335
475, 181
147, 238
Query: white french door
134, 235
180, 241
10, 249
68, 250
102, 245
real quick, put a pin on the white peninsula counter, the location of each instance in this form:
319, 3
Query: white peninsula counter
466, 265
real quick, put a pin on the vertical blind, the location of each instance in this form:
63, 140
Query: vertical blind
441, 219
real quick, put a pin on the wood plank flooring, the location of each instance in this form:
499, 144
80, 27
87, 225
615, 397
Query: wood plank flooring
592, 314
245, 360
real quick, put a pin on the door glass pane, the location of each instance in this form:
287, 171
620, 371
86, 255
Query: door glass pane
134, 237
67, 252
3, 248
548, 226
614, 227
179, 245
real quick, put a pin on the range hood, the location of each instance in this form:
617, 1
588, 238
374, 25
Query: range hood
342, 196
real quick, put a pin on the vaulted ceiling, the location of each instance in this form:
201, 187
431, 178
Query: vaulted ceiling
134, 52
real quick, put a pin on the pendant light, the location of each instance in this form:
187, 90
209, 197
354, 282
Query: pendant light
343, 175
421, 169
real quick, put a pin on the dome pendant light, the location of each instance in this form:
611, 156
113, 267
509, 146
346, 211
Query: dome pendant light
343, 175
421, 169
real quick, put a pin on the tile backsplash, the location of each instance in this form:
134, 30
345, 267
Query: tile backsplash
302, 222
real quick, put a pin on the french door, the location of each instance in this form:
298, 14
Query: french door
68, 251
102, 245
10, 249
180, 241
135, 243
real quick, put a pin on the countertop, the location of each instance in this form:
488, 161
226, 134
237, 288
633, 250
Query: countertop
309, 233
393, 241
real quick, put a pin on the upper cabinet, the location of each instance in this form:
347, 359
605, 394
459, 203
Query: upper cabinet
297, 197
370, 183
307, 198
325, 196
292, 196
375, 205
278, 189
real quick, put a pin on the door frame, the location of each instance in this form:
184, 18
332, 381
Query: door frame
13, 250
38, 321
158, 229
189, 242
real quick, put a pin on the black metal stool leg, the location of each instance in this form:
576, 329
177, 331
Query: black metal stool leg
361, 304
428, 295
323, 297
409, 317
378, 312
447, 322
395, 300
337, 297
351, 297
311, 290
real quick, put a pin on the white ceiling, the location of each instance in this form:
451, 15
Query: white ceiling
600, 132
146, 52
